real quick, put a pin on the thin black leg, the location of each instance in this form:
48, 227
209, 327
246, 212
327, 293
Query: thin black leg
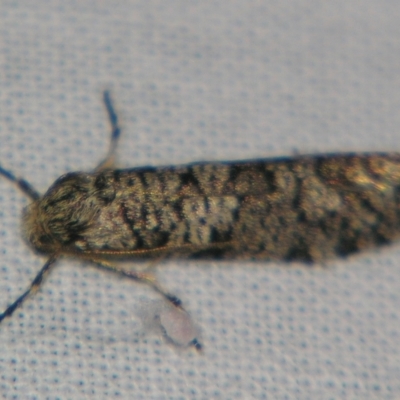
142, 278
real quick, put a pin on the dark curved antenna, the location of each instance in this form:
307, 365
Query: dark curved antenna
34, 286
22, 184
108, 162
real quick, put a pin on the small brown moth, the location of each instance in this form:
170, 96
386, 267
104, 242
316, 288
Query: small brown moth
308, 208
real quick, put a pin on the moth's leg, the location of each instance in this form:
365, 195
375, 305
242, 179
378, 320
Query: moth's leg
153, 263
22, 184
175, 323
108, 162
142, 277
33, 288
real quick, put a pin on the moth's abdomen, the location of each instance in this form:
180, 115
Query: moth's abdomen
308, 208
324, 207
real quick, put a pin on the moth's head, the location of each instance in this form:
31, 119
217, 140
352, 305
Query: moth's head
35, 230
55, 221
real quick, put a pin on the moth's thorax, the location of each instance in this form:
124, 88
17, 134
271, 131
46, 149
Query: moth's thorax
52, 223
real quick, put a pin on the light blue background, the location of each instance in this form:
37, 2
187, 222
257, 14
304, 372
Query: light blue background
197, 80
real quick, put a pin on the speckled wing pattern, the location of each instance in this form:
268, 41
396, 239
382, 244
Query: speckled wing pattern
308, 208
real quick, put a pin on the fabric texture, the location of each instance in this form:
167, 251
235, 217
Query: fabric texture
197, 81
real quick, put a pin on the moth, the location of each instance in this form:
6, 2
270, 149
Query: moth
307, 208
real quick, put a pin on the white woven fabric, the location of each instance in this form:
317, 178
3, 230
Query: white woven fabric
197, 80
